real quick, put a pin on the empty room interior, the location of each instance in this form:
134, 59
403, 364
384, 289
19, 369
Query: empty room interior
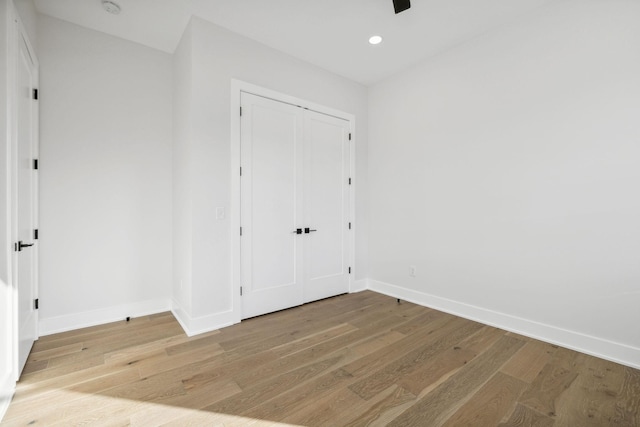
340, 212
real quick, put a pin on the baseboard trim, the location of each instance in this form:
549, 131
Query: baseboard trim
69, 322
200, 325
7, 388
598, 347
359, 286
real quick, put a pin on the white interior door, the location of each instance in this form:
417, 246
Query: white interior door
326, 206
271, 205
294, 205
26, 202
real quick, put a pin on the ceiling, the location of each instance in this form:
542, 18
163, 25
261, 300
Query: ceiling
332, 34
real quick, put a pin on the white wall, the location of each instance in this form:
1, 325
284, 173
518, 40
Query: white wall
105, 207
218, 56
506, 170
182, 211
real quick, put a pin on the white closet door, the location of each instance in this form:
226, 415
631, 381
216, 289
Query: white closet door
294, 205
271, 205
326, 206
26, 208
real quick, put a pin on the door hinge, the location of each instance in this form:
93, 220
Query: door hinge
240, 111
35, 234
35, 164
349, 270
349, 136
349, 181
240, 290
240, 170
36, 303
35, 94
241, 231
349, 226
16, 248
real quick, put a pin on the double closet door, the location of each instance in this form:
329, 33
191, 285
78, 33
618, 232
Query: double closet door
294, 205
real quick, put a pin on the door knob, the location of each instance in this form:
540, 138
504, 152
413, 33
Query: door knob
308, 230
23, 245
297, 231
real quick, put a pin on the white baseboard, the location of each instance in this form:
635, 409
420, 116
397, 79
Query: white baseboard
69, 322
199, 325
598, 347
7, 388
359, 286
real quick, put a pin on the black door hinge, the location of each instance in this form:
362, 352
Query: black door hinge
240, 170
241, 231
349, 136
240, 111
36, 303
349, 181
35, 164
35, 94
240, 290
35, 234
349, 270
349, 226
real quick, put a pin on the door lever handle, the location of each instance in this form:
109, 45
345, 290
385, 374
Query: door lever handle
297, 231
308, 230
23, 245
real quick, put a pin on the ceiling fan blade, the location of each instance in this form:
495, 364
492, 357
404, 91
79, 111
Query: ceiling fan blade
401, 5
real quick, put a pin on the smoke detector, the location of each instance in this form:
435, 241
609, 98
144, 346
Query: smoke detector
111, 7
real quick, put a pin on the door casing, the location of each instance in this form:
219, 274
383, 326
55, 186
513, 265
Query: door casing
237, 87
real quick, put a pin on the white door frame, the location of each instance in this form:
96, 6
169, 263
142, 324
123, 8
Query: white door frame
237, 87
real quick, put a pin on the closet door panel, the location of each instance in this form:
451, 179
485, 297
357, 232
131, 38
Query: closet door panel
271, 148
326, 205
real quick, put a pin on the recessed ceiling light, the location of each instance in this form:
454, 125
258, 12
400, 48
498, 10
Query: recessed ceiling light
111, 7
375, 40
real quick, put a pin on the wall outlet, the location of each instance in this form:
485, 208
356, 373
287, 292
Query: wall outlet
412, 271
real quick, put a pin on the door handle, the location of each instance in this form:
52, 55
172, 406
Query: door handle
23, 245
297, 231
308, 230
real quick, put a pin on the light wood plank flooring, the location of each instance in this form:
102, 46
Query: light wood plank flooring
355, 360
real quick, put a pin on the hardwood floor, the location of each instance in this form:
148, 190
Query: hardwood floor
352, 360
